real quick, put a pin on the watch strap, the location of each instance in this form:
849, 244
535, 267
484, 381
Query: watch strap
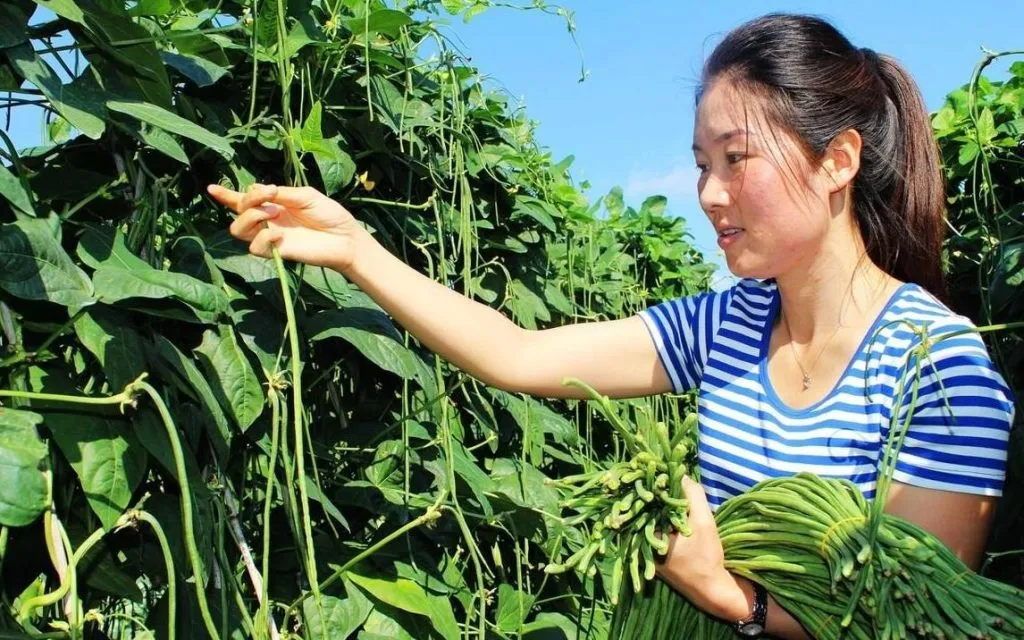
753, 626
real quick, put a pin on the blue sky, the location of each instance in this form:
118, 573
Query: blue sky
631, 122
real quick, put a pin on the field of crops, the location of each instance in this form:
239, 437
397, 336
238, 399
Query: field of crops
196, 442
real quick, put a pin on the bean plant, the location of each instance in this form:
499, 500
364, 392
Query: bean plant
199, 443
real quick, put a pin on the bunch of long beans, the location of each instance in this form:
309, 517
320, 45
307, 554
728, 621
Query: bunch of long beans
807, 540
630, 502
840, 565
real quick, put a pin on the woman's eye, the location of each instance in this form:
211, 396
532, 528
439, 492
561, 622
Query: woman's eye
702, 168
733, 158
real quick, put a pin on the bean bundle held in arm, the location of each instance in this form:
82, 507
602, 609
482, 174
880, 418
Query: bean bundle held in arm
834, 561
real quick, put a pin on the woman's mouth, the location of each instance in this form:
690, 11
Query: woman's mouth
729, 236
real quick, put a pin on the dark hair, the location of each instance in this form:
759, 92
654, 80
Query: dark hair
812, 82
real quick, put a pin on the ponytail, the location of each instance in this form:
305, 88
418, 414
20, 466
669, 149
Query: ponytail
918, 190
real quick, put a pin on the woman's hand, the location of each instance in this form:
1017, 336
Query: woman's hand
304, 224
695, 564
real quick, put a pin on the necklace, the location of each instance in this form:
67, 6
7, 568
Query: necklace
806, 372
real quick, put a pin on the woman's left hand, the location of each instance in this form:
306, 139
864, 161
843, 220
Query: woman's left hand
695, 564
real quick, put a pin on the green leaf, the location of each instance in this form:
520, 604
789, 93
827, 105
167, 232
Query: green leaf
59, 130
108, 459
262, 332
382, 625
386, 21
74, 102
305, 31
314, 493
527, 306
408, 596
1007, 284
333, 286
189, 256
341, 616
554, 297
513, 607
206, 301
66, 9
23, 487
986, 127
231, 375
454, 7
336, 166
266, 24
102, 570
116, 344
152, 8
98, 443
371, 332
13, 23
385, 462
34, 266
968, 152
134, 69
217, 428
539, 210
99, 247
231, 256
944, 122
172, 122
654, 205
398, 592
474, 11
121, 276
551, 620
531, 413
473, 477
200, 71
524, 484
311, 129
12, 189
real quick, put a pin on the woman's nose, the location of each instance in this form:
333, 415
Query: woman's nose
713, 193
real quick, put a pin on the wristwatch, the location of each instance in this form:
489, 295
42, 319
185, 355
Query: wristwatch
753, 625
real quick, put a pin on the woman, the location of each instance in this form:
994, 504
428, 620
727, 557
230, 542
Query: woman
819, 171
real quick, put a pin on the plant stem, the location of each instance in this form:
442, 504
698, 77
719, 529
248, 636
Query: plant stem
265, 615
172, 582
402, 205
428, 516
68, 580
4, 531
121, 398
297, 417
186, 504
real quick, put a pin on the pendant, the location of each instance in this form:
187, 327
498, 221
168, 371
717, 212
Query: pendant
807, 382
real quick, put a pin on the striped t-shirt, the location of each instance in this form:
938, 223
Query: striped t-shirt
718, 342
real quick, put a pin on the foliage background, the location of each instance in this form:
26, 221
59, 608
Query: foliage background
113, 262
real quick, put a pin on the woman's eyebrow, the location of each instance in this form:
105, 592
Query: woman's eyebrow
722, 137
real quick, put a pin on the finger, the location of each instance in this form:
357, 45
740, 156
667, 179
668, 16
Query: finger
700, 512
257, 195
262, 245
247, 225
227, 197
295, 197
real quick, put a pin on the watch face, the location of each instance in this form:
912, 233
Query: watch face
751, 630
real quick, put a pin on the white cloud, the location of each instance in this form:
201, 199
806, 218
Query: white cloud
677, 183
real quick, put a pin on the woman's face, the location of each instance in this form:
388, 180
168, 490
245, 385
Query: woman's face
768, 205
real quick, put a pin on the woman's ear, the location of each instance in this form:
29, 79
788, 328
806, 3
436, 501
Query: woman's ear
842, 160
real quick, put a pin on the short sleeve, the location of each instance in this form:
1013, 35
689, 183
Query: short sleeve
960, 423
683, 331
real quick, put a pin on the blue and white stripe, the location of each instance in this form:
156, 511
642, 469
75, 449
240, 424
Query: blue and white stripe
719, 342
